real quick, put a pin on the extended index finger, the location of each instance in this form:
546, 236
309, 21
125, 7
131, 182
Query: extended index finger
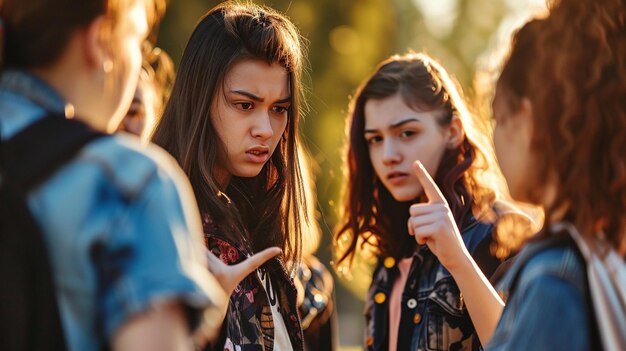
430, 188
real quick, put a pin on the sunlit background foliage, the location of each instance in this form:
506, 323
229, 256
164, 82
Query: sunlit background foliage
346, 39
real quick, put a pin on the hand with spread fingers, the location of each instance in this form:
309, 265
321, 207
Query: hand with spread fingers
432, 223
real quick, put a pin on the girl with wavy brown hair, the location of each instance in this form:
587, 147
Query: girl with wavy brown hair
409, 110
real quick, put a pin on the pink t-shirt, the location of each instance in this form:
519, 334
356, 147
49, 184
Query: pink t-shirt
395, 301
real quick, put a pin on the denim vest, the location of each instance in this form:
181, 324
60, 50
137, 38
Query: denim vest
433, 315
547, 302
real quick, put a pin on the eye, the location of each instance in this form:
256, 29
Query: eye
407, 133
280, 109
244, 106
373, 140
136, 110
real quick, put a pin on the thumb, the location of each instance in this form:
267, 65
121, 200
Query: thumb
255, 261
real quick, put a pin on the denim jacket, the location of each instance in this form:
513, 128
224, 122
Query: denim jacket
248, 324
119, 222
547, 302
433, 316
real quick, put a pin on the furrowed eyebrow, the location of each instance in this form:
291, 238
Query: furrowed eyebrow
258, 98
403, 122
395, 125
247, 94
284, 100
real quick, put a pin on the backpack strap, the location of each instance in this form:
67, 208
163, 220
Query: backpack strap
38, 150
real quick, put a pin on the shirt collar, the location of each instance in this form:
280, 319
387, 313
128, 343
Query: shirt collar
32, 88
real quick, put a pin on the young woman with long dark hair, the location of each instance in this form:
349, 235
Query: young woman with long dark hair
232, 124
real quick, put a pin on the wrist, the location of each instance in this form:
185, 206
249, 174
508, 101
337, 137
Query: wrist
464, 265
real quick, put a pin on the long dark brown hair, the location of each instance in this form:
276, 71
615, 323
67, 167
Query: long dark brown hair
256, 212
571, 65
467, 175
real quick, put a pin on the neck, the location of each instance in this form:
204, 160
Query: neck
222, 177
559, 212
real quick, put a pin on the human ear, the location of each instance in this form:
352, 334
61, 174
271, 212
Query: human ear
455, 133
95, 42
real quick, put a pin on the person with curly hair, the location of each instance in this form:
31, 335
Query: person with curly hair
560, 112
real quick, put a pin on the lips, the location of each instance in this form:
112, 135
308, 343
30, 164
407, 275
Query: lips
396, 177
258, 154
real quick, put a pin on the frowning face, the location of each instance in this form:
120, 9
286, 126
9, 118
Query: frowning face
250, 116
397, 136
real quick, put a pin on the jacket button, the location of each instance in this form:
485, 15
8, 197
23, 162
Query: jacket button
411, 303
370, 341
389, 262
417, 318
380, 297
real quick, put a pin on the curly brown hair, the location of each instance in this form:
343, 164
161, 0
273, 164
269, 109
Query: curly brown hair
571, 65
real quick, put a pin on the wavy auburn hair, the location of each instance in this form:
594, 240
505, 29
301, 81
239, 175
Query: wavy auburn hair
467, 176
571, 65
256, 212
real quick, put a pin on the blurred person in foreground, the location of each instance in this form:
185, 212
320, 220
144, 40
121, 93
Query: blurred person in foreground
119, 221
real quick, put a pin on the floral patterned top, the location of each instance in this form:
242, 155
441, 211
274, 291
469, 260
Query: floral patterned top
249, 324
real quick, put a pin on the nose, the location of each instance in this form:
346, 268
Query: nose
391, 155
263, 127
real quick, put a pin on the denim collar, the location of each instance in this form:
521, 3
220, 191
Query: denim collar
32, 88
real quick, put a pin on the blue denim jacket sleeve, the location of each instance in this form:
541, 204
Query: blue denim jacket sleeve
150, 255
548, 309
126, 237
